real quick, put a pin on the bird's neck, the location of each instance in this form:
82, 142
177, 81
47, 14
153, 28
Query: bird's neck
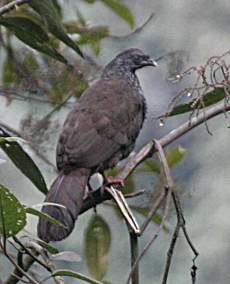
121, 73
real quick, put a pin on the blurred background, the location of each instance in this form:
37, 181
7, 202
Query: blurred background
191, 32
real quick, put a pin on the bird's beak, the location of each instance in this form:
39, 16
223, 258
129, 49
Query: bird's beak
153, 62
150, 62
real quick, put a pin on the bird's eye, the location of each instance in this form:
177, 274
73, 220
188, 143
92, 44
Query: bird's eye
145, 58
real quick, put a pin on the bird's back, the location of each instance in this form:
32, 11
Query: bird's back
102, 127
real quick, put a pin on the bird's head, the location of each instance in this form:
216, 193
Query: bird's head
129, 60
135, 59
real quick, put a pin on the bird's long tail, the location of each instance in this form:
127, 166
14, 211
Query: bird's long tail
67, 190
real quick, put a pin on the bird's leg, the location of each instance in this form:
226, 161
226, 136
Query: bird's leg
110, 180
88, 192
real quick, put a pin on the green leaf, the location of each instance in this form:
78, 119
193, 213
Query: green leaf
31, 62
96, 46
25, 29
65, 83
22, 161
74, 274
58, 8
91, 36
12, 213
121, 10
46, 9
97, 245
209, 99
38, 213
175, 155
149, 166
31, 34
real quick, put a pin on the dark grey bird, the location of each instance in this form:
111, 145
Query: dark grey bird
99, 132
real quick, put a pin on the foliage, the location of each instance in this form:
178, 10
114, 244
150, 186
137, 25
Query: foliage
208, 99
97, 245
43, 61
12, 213
22, 160
39, 25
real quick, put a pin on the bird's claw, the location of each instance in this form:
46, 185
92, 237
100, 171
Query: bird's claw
110, 180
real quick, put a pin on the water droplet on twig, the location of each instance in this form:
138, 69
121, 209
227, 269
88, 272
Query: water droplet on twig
161, 123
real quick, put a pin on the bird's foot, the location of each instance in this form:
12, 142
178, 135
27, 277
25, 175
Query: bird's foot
110, 180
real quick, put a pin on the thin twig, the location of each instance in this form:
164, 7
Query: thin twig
144, 153
134, 255
136, 31
147, 246
149, 149
170, 252
179, 210
154, 209
16, 93
169, 184
176, 133
134, 194
10, 6
30, 253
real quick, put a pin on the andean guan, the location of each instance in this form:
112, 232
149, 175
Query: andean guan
99, 132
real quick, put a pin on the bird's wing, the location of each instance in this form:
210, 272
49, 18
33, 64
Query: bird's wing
100, 126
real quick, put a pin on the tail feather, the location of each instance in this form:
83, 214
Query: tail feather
67, 190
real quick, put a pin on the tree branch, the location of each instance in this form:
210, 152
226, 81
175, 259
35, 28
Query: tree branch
145, 152
149, 149
10, 6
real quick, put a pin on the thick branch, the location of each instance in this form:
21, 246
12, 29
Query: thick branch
148, 149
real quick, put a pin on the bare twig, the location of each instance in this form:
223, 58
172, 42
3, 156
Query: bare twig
180, 224
19, 272
179, 210
134, 194
213, 75
169, 184
176, 133
33, 251
136, 31
17, 93
134, 255
147, 246
170, 252
10, 6
146, 151
154, 209
32, 254
124, 209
